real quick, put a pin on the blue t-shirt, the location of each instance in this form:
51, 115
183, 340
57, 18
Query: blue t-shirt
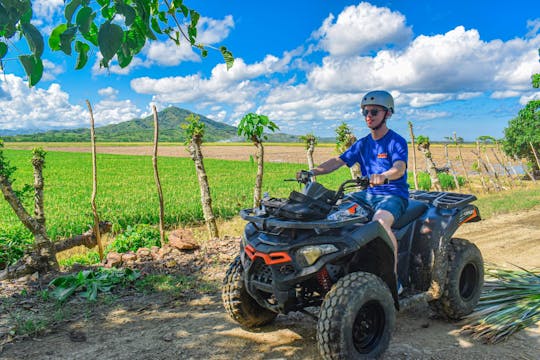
377, 156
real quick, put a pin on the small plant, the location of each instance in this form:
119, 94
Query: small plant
509, 302
89, 282
89, 258
138, 236
446, 181
14, 241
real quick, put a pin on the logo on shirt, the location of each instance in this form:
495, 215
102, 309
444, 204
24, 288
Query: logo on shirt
382, 156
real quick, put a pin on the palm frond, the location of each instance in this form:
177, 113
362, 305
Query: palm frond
510, 301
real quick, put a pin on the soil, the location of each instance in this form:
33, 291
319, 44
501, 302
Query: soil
191, 324
272, 153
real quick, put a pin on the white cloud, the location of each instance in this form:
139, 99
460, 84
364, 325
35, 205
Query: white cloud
108, 91
534, 27
361, 29
455, 62
114, 111
234, 86
51, 70
50, 108
504, 94
212, 31
529, 97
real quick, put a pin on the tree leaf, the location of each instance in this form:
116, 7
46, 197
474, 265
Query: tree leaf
34, 39
110, 38
82, 58
124, 55
54, 39
3, 49
71, 7
33, 67
126, 10
227, 56
66, 38
92, 34
85, 18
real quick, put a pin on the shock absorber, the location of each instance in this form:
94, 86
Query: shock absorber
323, 277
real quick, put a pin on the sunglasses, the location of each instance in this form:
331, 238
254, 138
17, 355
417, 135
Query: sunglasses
373, 112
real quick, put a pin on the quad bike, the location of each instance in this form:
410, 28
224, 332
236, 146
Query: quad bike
316, 249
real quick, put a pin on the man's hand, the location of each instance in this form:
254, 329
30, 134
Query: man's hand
378, 179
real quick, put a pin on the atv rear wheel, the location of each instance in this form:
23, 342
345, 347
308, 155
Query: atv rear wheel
464, 281
356, 318
238, 303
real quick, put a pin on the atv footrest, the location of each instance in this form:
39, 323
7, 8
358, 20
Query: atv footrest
441, 199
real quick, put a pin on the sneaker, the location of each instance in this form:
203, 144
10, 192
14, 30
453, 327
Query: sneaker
399, 288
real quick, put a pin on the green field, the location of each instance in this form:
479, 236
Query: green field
127, 193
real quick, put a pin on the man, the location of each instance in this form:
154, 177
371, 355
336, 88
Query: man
382, 155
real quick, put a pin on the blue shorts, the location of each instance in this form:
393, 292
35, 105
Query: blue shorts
396, 205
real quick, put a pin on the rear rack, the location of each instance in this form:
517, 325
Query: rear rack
443, 200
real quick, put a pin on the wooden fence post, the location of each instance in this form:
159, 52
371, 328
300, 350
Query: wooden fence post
94, 182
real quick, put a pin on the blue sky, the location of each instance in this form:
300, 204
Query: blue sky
455, 66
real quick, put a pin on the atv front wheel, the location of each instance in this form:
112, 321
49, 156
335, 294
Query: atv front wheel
464, 281
238, 303
356, 318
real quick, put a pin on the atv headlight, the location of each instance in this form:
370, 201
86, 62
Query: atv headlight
307, 255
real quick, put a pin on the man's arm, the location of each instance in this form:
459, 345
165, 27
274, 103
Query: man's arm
395, 172
326, 167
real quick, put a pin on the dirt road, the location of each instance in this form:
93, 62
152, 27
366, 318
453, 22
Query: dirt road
196, 326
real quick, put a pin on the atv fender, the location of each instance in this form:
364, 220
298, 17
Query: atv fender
374, 253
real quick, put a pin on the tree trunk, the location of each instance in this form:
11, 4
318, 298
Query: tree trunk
309, 153
449, 164
430, 166
206, 200
156, 178
87, 239
94, 183
415, 176
257, 193
535, 156
462, 163
42, 257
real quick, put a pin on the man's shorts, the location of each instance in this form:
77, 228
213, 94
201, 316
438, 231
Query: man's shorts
396, 205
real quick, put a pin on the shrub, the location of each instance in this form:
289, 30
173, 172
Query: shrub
135, 237
14, 241
446, 180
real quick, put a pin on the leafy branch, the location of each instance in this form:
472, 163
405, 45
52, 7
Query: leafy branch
116, 27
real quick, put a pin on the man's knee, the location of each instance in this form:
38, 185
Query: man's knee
384, 217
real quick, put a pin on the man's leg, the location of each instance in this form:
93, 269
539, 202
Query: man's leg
387, 219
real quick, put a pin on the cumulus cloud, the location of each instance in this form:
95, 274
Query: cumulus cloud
458, 61
108, 92
362, 29
50, 108
111, 111
234, 86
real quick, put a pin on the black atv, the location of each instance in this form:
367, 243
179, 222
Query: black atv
316, 249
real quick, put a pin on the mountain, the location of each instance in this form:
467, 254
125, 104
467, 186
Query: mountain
136, 130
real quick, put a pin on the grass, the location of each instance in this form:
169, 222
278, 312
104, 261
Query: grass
127, 195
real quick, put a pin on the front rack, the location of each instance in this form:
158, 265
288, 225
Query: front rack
443, 200
266, 221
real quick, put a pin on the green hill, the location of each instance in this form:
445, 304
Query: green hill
136, 130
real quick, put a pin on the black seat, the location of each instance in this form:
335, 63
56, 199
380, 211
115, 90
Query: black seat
414, 210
